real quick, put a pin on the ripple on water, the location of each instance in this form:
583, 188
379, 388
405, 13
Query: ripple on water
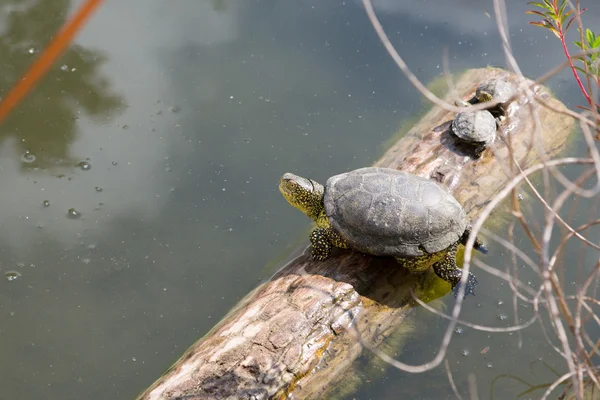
12, 275
28, 157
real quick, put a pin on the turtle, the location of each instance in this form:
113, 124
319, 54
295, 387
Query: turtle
495, 89
385, 212
498, 90
477, 128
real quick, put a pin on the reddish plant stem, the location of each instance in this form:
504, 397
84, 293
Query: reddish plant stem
561, 34
52, 52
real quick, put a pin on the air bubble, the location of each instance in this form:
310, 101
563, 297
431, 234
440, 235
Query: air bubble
73, 213
84, 165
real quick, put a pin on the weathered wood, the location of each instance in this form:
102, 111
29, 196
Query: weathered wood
290, 336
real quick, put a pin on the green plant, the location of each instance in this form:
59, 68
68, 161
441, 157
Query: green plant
592, 59
558, 20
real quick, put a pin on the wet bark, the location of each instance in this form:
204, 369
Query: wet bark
291, 336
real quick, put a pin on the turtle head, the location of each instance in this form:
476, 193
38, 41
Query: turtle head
485, 96
486, 90
304, 194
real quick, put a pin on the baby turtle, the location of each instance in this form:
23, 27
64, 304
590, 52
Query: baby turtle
477, 128
496, 90
385, 212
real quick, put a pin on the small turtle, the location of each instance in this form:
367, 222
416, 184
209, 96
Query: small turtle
496, 90
385, 212
475, 127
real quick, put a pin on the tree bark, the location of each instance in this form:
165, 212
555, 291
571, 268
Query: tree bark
291, 336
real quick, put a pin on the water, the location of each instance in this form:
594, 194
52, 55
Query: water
189, 114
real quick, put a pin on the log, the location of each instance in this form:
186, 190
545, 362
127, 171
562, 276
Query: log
291, 336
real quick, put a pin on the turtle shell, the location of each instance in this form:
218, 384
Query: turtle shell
386, 212
475, 127
499, 89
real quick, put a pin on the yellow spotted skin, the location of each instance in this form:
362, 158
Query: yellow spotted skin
444, 265
484, 96
421, 263
307, 196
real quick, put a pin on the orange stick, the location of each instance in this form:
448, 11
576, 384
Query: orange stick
54, 49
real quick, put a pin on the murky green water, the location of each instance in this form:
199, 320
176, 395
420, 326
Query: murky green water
139, 197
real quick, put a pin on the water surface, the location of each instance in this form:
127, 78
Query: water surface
139, 199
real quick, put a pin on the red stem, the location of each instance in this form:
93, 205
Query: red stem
568, 55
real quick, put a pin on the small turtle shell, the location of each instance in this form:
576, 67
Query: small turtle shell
386, 212
499, 89
475, 127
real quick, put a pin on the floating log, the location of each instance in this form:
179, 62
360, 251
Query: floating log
291, 336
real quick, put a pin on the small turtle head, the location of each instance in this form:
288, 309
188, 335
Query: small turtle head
498, 90
484, 96
304, 194
486, 91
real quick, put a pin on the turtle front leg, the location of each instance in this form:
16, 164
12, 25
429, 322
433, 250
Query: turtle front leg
449, 271
478, 245
322, 240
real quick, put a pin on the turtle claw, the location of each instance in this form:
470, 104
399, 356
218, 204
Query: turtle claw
481, 247
469, 288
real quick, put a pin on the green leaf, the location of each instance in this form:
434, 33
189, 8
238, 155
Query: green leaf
561, 9
538, 23
535, 3
546, 5
589, 35
542, 5
533, 12
569, 24
596, 43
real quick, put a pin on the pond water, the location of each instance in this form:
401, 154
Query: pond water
139, 199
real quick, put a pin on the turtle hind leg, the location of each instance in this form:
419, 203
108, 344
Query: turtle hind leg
478, 245
322, 240
449, 271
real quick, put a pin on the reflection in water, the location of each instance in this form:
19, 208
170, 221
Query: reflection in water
71, 87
